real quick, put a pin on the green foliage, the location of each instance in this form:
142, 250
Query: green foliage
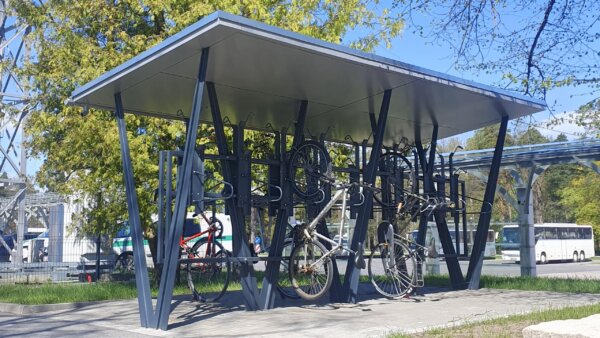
553, 181
588, 116
581, 200
76, 41
561, 138
485, 138
531, 136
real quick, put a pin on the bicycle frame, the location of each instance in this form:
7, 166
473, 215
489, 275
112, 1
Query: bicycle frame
183, 240
340, 193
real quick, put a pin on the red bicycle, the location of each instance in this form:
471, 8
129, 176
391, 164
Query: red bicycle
207, 262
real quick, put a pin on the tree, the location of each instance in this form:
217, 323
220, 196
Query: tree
580, 199
485, 138
533, 45
530, 136
77, 40
561, 138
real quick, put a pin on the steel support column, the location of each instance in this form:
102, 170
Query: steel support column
267, 295
478, 251
526, 231
139, 257
161, 207
240, 247
450, 256
167, 281
350, 288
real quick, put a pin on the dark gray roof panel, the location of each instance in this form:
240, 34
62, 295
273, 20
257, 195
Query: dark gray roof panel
264, 71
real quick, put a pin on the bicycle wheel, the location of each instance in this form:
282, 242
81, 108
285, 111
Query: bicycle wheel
310, 272
392, 273
208, 280
284, 284
308, 162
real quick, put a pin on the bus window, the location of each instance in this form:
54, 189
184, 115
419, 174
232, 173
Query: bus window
539, 233
587, 233
572, 233
551, 233
563, 233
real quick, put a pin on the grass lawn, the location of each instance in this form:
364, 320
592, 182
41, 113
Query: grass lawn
32, 294
511, 326
35, 294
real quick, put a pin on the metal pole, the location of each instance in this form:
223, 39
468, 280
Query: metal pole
476, 261
351, 279
240, 247
267, 295
139, 257
161, 207
167, 281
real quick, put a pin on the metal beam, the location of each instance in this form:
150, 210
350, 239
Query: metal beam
167, 281
477, 253
240, 248
351, 279
139, 257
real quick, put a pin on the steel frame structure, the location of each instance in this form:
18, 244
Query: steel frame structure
14, 97
235, 163
535, 159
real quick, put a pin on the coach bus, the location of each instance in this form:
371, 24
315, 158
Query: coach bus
553, 242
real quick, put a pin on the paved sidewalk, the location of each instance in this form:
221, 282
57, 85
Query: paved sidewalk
371, 317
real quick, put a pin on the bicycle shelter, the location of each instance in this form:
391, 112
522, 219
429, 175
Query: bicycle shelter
289, 83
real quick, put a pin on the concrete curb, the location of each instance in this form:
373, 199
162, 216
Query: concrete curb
20, 309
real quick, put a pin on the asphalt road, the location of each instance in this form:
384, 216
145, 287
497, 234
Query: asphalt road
589, 269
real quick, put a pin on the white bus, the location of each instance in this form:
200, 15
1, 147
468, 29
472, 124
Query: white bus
432, 238
553, 242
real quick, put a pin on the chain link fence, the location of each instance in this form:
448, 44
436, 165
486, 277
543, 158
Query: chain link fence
47, 258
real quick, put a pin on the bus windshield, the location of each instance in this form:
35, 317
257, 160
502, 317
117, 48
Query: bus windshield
510, 239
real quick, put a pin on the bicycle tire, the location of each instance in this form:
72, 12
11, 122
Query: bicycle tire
308, 284
284, 284
399, 270
203, 276
308, 162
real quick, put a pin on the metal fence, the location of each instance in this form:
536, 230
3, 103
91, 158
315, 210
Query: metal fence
57, 259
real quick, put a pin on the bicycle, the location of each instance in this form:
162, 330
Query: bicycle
208, 263
310, 264
402, 266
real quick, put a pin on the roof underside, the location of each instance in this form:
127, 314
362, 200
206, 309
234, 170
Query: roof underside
261, 73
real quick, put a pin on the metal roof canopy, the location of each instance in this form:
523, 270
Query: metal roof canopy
265, 72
